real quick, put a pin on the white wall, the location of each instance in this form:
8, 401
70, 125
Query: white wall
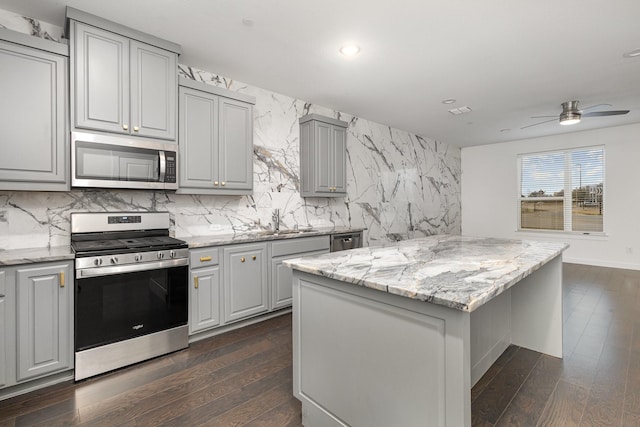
490, 188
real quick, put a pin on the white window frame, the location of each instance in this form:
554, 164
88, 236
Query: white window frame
567, 198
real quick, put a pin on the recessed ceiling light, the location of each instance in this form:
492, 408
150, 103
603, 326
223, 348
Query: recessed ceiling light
632, 53
448, 101
350, 50
247, 22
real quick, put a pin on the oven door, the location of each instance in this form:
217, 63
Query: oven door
114, 303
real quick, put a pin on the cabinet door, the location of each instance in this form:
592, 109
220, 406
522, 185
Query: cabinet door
101, 90
339, 156
44, 314
236, 144
33, 111
204, 303
245, 281
323, 158
282, 279
3, 329
198, 140
154, 87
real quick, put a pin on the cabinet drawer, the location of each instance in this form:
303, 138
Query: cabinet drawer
304, 244
204, 257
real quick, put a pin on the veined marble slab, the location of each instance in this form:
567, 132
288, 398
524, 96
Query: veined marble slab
260, 236
460, 272
31, 255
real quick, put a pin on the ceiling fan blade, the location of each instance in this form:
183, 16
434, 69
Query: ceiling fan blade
539, 123
605, 113
543, 117
594, 106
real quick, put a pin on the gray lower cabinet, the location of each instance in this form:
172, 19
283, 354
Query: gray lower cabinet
245, 281
44, 297
33, 113
36, 323
215, 140
236, 282
204, 295
281, 276
282, 279
323, 156
122, 85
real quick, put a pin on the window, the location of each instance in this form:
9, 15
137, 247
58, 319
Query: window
562, 190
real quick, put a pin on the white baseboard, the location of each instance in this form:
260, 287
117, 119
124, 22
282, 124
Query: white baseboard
601, 263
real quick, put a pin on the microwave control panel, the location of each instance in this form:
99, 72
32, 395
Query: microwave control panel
170, 175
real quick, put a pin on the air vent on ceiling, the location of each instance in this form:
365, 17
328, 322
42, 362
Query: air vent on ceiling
461, 110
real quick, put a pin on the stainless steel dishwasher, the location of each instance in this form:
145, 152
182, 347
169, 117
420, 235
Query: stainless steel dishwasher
345, 241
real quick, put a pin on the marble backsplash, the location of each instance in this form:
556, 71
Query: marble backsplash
399, 185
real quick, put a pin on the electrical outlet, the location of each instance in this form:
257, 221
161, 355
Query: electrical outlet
3, 216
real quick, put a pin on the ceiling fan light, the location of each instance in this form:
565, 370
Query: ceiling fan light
569, 118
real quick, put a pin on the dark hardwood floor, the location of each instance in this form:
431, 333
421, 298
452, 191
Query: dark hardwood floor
244, 377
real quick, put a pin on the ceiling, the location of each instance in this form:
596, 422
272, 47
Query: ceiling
506, 60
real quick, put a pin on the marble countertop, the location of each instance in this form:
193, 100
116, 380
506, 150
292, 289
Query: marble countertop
30, 255
460, 272
26, 256
260, 236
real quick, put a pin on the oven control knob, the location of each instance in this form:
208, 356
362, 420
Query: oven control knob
137, 257
97, 262
172, 254
160, 255
114, 260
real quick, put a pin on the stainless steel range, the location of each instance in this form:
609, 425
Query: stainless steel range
130, 289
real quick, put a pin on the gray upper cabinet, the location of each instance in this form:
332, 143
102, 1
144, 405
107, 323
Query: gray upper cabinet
215, 140
44, 294
122, 84
323, 156
33, 113
245, 281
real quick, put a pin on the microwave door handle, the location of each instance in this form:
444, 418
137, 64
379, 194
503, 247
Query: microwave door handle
163, 166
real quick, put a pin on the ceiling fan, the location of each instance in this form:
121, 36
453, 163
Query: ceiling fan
571, 114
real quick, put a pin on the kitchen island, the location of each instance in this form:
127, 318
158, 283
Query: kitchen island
398, 335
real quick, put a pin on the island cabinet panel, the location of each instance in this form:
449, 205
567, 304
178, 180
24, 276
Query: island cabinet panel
122, 85
366, 381
33, 117
44, 316
245, 281
215, 140
4, 329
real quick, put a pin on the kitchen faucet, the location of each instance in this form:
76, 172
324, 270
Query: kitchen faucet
276, 220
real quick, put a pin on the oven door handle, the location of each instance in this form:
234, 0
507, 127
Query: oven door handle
130, 268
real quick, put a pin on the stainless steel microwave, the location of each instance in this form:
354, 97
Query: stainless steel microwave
106, 161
